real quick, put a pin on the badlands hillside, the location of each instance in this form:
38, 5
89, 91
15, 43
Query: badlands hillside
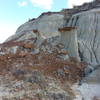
54, 57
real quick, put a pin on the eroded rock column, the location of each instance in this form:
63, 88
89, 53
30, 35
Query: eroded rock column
69, 40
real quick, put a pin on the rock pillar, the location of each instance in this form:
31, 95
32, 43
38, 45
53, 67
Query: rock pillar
69, 40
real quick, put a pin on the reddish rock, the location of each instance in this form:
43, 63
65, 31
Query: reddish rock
28, 45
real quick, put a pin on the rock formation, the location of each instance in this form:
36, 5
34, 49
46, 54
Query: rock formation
44, 21
69, 40
41, 60
88, 35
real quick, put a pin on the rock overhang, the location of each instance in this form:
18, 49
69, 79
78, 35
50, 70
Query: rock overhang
64, 29
35, 31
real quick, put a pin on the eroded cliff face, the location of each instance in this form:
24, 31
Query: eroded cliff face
88, 27
87, 24
46, 24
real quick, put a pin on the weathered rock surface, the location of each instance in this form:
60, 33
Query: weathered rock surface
88, 35
69, 40
47, 25
23, 36
91, 86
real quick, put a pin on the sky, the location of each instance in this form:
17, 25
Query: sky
13, 13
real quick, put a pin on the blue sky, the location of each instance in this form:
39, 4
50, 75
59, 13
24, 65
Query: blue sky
13, 13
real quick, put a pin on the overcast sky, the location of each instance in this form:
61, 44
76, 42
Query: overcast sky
13, 13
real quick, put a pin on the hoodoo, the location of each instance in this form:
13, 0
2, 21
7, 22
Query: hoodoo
69, 40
